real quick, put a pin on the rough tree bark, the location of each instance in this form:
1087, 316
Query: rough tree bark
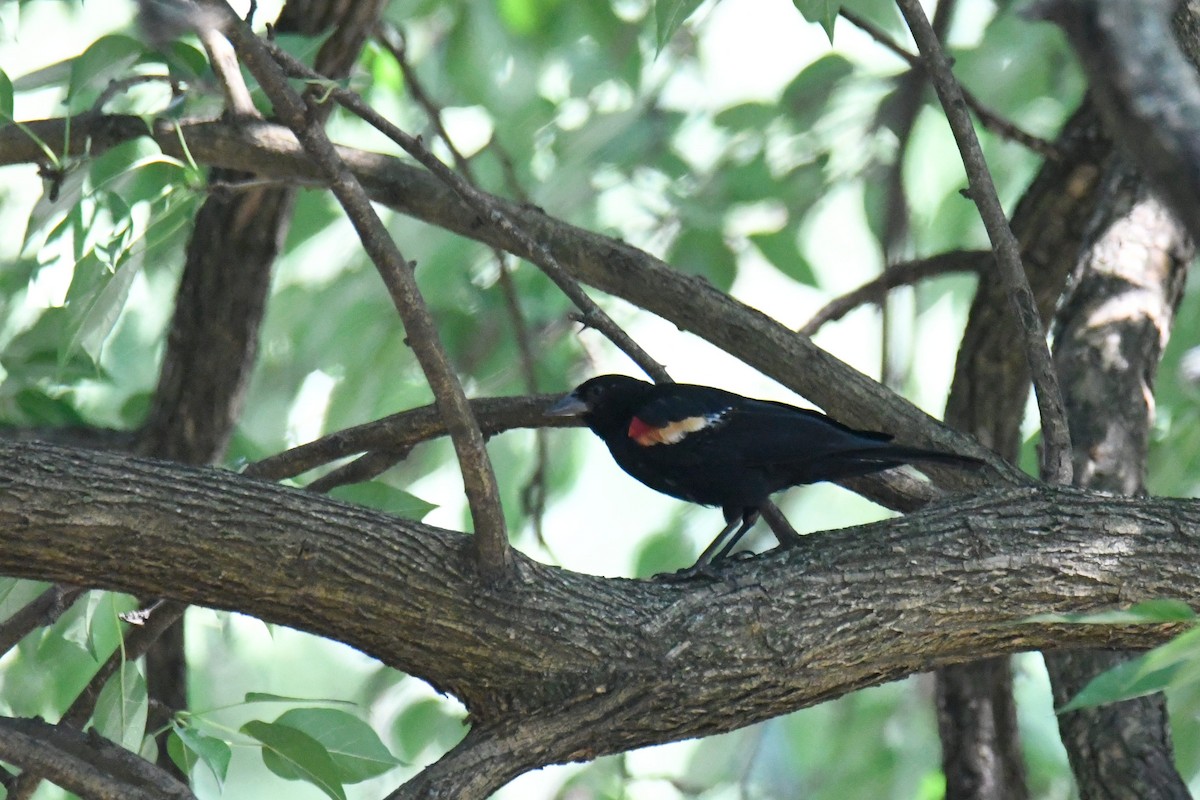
557, 666
977, 721
1111, 332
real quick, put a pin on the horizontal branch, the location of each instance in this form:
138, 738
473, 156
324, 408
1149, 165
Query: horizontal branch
401, 432
606, 664
689, 302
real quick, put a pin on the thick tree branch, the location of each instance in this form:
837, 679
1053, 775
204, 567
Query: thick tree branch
86, 764
977, 716
1056, 450
1145, 87
1124, 297
839, 611
493, 554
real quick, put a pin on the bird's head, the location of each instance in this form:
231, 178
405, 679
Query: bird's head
602, 401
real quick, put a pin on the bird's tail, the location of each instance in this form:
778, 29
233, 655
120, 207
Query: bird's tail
875, 459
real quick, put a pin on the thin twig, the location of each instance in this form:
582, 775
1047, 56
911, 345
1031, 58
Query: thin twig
492, 551
989, 119
118, 85
904, 273
364, 468
491, 212
405, 430
1056, 451
533, 493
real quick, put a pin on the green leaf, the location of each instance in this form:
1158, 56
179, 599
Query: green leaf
704, 252
45, 409
294, 755
806, 97
122, 706
752, 116
356, 749
821, 11
1145, 612
267, 697
95, 306
424, 724
1174, 664
107, 58
187, 747
78, 627
781, 250
377, 494
665, 551
669, 15
6, 97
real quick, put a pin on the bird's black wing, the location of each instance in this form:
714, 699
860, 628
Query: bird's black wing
678, 412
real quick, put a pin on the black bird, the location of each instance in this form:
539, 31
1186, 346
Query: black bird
717, 448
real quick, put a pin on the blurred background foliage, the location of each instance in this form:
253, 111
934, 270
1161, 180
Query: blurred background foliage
733, 139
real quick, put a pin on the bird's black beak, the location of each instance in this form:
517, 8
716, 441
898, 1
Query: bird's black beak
566, 406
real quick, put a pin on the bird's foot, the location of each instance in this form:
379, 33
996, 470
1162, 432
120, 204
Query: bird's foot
706, 572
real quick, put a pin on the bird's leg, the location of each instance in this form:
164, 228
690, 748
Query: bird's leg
748, 521
703, 565
718, 549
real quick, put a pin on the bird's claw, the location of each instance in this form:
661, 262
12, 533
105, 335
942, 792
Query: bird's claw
706, 572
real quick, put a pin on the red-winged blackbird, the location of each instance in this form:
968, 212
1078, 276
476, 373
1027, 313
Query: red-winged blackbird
717, 448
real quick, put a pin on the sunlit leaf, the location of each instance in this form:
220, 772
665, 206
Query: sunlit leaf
1174, 664
106, 59
356, 749
187, 747
377, 494
781, 250
267, 697
705, 252
669, 15
424, 724
294, 755
1148, 611
122, 707
806, 97
6, 97
823, 12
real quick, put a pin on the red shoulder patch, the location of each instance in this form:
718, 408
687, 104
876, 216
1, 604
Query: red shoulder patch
643, 433
648, 435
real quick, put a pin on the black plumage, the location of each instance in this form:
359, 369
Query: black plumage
716, 448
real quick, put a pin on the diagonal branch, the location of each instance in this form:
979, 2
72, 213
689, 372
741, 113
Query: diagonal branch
486, 207
1056, 452
904, 273
492, 550
988, 118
